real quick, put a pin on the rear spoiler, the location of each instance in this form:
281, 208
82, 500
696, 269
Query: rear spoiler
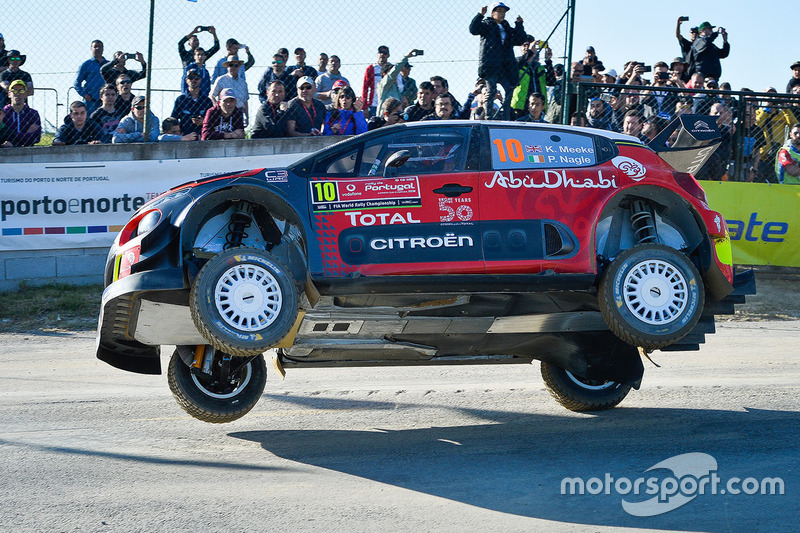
687, 142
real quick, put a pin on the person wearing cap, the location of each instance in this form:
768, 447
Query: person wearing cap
372, 76
589, 60
199, 66
679, 72
497, 63
78, 129
338, 85
407, 86
387, 87
233, 80
305, 114
225, 120
686, 47
107, 115
187, 56
191, 106
232, 47
15, 60
325, 81
23, 123
270, 121
277, 72
795, 79
300, 68
116, 67
131, 128
89, 80
663, 101
705, 54
609, 76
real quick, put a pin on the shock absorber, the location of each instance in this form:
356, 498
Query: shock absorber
241, 219
643, 222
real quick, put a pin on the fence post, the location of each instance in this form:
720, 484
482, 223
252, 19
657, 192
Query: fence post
147, 125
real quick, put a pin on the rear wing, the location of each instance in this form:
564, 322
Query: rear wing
687, 142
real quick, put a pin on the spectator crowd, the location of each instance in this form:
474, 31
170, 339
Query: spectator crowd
297, 99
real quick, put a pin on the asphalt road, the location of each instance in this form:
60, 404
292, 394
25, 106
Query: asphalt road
85, 447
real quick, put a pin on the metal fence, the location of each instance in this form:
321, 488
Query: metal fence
753, 125
56, 38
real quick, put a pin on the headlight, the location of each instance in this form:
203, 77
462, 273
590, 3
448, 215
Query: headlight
139, 225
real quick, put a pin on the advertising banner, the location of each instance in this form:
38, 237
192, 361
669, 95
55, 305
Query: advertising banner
763, 220
47, 206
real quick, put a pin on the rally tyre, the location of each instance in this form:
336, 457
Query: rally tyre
651, 296
210, 399
244, 301
578, 394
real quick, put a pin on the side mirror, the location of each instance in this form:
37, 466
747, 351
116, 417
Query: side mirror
395, 161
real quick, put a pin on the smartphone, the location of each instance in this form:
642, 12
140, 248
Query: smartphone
130, 56
420, 52
606, 97
647, 68
684, 19
205, 28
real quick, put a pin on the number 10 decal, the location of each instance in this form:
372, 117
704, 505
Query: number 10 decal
512, 150
323, 191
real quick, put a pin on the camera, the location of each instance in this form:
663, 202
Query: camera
205, 28
684, 19
130, 56
607, 97
419, 53
645, 68
663, 75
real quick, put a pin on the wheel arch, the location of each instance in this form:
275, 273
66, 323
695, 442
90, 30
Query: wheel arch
670, 206
292, 248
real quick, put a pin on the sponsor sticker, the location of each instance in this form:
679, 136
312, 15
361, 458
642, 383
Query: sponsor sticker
351, 194
630, 167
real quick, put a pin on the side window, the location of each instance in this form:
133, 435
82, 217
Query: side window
514, 149
426, 150
338, 164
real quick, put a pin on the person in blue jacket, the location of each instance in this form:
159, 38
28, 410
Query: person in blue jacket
346, 118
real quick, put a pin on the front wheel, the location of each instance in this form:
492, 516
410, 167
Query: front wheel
221, 391
244, 301
651, 296
579, 394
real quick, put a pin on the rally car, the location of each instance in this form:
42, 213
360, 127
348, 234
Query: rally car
438, 242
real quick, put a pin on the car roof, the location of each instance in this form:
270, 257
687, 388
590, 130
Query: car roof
530, 125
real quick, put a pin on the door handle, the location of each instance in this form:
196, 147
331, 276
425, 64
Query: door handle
453, 190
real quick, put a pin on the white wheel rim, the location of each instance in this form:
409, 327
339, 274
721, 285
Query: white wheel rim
234, 392
248, 297
655, 292
603, 386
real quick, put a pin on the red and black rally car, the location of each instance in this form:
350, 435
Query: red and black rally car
428, 243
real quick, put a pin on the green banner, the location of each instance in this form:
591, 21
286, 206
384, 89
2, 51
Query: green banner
763, 220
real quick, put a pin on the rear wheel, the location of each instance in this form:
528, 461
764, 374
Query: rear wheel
579, 394
220, 391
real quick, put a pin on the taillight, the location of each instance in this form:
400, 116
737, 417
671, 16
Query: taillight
139, 225
690, 185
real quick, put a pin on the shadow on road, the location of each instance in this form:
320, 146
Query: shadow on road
515, 462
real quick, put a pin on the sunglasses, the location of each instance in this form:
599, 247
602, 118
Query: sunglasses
305, 88
139, 107
122, 82
15, 59
277, 62
19, 91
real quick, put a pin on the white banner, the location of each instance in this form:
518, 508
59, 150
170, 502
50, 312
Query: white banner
47, 206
